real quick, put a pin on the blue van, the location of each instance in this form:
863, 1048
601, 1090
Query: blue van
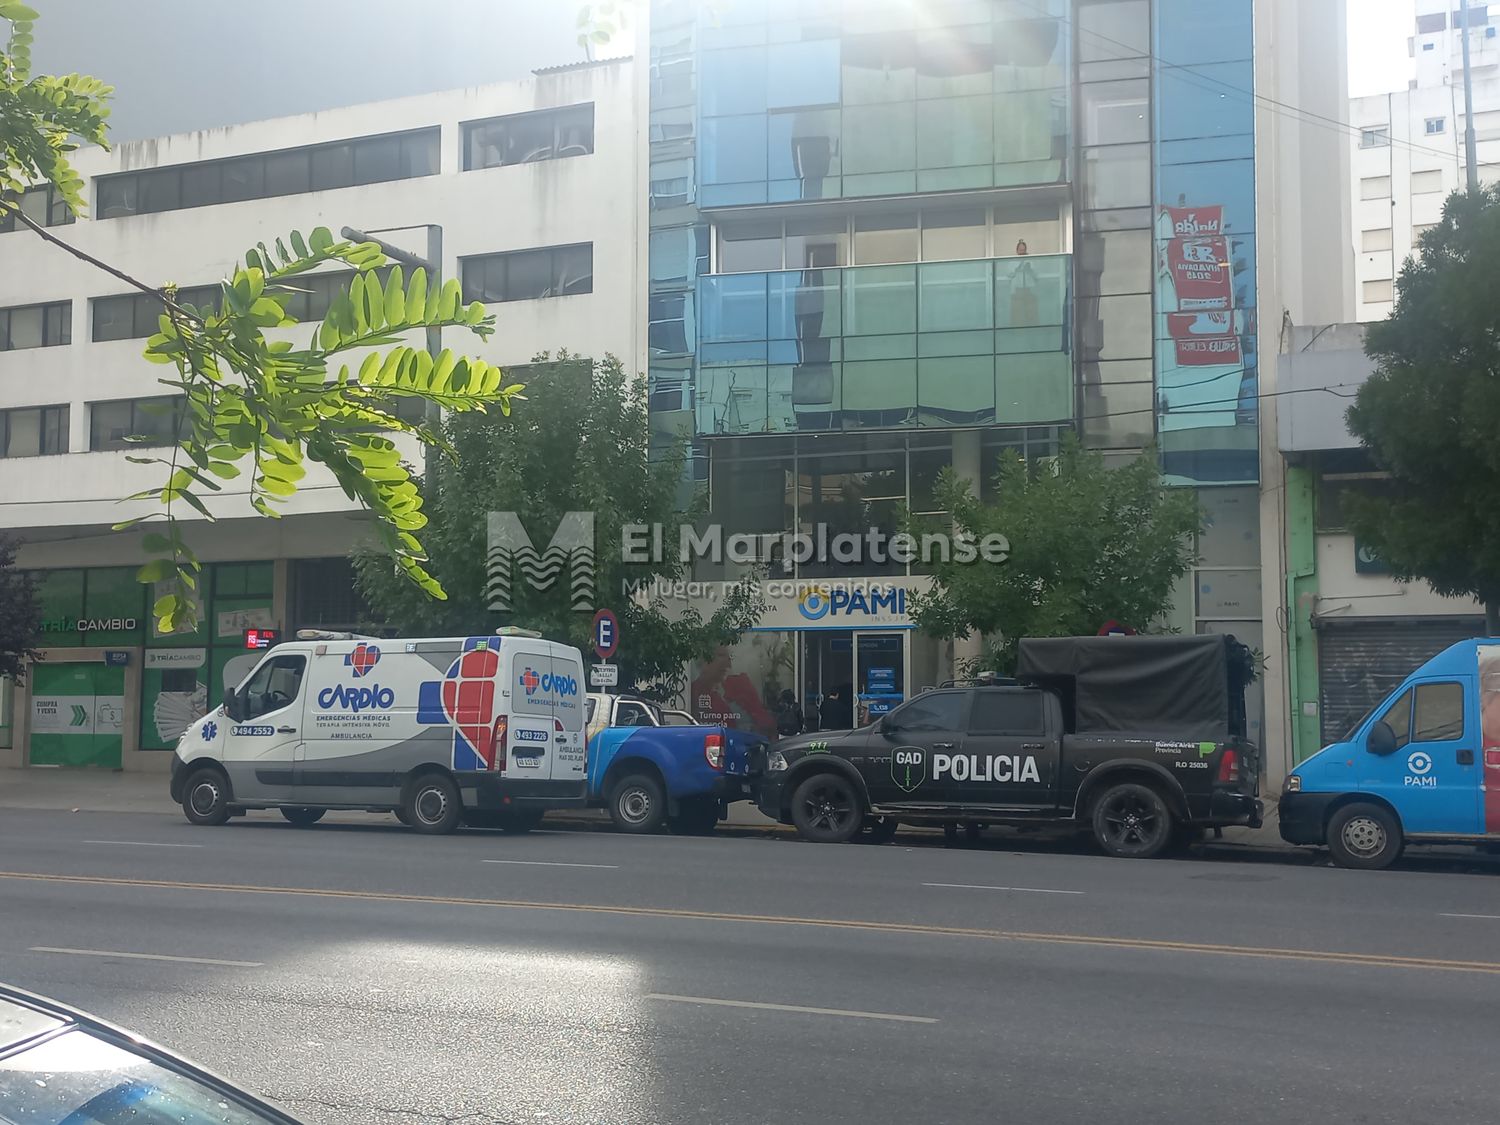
1423, 766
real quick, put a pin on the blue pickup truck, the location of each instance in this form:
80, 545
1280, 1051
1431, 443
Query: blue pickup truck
1422, 766
648, 774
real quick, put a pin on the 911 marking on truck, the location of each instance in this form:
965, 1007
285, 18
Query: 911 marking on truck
976, 767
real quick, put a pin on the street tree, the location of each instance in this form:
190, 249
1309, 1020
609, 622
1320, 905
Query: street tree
253, 404
20, 614
1430, 413
580, 445
1087, 545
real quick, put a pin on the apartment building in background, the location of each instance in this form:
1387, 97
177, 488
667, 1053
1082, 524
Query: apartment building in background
888, 239
533, 186
1408, 145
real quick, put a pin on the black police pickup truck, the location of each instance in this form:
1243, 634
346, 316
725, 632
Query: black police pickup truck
1137, 739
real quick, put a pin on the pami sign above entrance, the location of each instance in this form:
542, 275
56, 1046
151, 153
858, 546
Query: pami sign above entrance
852, 604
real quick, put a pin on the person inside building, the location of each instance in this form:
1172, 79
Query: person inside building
788, 715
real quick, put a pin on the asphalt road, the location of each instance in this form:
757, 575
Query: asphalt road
363, 975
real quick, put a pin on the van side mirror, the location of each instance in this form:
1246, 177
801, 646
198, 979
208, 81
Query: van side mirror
232, 705
1381, 740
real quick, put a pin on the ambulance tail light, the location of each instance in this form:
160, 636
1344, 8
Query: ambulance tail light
713, 751
1229, 766
502, 731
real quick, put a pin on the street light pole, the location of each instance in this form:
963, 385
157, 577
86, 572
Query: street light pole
1469, 154
433, 264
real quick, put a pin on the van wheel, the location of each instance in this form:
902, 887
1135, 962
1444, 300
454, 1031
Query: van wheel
205, 797
697, 817
1366, 837
827, 809
637, 804
303, 816
1132, 821
432, 804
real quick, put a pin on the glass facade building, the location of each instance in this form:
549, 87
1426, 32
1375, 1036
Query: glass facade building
911, 230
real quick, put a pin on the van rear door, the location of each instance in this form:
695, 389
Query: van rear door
530, 726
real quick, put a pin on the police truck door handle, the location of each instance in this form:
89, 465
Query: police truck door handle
1031, 746
943, 745
1466, 757
286, 730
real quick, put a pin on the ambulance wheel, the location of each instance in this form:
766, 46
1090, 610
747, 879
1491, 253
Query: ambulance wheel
432, 804
402, 817
205, 797
826, 809
637, 804
1132, 821
1366, 837
880, 829
303, 816
698, 817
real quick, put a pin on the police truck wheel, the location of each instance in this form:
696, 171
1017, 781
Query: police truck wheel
1365, 837
696, 818
205, 797
826, 809
637, 804
303, 816
432, 804
1132, 821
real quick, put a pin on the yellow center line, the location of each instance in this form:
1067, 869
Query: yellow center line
1368, 960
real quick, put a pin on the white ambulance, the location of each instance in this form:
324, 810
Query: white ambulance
476, 730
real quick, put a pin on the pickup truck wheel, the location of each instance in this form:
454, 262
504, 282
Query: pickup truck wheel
637, 804
1366, 837
205, 797
1132, 821
826, 809
698, 817
433, 805
303, 816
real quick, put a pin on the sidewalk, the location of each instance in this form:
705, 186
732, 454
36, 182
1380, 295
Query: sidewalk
84, 790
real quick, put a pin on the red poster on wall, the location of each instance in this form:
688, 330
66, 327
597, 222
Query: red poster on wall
1200, 272
1205, 339
1195, 222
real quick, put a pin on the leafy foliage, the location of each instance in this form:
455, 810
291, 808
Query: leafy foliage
580, 445
20, 614
1430, 413
1088, 544
250, 401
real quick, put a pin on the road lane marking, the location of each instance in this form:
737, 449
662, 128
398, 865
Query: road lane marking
137, 844
1486, 917
147, 957
1019, 890
847, 1014
549, 863
1367, 960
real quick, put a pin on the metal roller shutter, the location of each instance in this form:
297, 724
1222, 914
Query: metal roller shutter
1360, 662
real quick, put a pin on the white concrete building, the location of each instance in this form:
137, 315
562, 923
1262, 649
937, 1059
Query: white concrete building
533, 184
1408, 145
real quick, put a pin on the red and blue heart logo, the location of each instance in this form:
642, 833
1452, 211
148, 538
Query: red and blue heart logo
362, 659
530, 681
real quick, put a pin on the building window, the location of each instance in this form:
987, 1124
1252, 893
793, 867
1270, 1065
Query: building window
1435, 125
34, 431
134, 316
1373, 240
134, 422
1378, 137
524, 275
1426, 183
43, 205
1375, 187
1429, 46
36, 326
1379, 292
367, 160
1419, 230
1432, 23
525, 138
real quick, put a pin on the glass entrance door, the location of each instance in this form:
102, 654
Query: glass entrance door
851, 678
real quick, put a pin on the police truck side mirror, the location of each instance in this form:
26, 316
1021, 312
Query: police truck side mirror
1381, 740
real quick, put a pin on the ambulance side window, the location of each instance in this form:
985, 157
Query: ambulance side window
275, 685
